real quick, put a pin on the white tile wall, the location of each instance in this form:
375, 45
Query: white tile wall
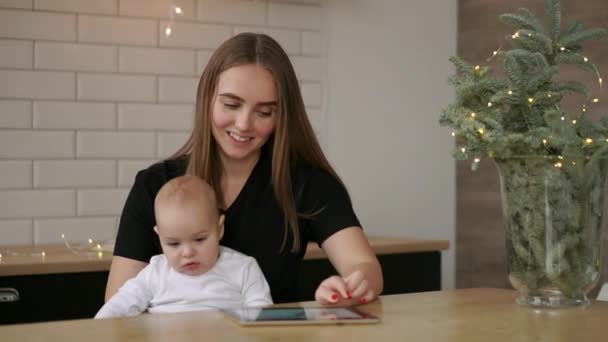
16, 54
28, 144
92, 91
75, 230
115, 144
37, 25
161, 117
127, 169
16, 232
77, 57
80, 6
74, 115
114, 87
232, 11
192, 35
37, 203
157, 61
158, 9
115, 30
294, 16
15, 174
74, 173
170, 142
37, 85
26, 4
15, 114
95, 202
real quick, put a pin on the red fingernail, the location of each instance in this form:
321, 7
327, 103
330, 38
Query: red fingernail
362, 300
334, 296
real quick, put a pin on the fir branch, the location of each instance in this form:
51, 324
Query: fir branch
581, 36
523, 20
553, 18
567, 57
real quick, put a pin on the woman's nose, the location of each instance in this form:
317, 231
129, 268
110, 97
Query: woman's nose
243, 120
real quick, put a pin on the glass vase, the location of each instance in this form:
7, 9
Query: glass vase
552, 211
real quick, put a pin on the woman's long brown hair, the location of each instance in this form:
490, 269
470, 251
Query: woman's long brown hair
293, 139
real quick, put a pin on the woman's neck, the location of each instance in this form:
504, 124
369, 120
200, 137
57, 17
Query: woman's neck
235, 170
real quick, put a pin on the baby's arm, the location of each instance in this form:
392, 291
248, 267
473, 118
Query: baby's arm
131, 299
256, 291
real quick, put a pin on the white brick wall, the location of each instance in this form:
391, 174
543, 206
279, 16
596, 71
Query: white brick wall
92, 91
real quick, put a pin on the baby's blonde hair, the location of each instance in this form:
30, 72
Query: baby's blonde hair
186, 189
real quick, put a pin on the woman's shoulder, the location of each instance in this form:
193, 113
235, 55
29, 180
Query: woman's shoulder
161, 172
306, 174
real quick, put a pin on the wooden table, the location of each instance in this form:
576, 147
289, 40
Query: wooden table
63, 285
461, 315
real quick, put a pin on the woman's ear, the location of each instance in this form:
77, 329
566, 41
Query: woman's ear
220, 227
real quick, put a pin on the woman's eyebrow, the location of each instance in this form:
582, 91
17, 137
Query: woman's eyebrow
238, 98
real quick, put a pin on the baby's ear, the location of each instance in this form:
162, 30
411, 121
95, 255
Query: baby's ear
220, 226
156, 229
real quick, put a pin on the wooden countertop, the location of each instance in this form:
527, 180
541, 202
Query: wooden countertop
455, 316
59, 259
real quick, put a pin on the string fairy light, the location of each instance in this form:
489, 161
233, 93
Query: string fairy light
168, 31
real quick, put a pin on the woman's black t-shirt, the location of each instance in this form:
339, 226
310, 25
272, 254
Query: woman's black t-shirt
254, 224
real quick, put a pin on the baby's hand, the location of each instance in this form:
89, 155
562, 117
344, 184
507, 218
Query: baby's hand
350, 290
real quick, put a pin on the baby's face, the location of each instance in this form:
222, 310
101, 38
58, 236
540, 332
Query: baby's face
189, 236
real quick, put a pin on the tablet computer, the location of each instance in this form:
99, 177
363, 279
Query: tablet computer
299, 315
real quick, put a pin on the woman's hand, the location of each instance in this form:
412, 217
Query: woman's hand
350, 290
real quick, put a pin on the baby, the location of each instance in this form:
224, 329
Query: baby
194, 272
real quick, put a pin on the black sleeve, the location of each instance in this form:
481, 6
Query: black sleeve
136, 238
324, 196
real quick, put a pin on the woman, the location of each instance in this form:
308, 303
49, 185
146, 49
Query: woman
253, 143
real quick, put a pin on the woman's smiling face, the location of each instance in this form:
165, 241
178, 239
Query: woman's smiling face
244, 111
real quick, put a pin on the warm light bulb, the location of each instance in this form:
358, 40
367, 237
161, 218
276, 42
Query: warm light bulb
562, 48
560, 157
178, 10
545, 141
563, 118
43, 254
549, 95
463, 150
530, 100
453, 134
494, 53
168, 31
558, 164
90, 241
588, 141
477, 67
477, 160
510, 92
473, 115
573, 163
596, 100
489, 104
574, 122
585, 59
480, 131
100, 255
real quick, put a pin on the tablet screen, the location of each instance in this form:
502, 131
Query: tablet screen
298, 315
